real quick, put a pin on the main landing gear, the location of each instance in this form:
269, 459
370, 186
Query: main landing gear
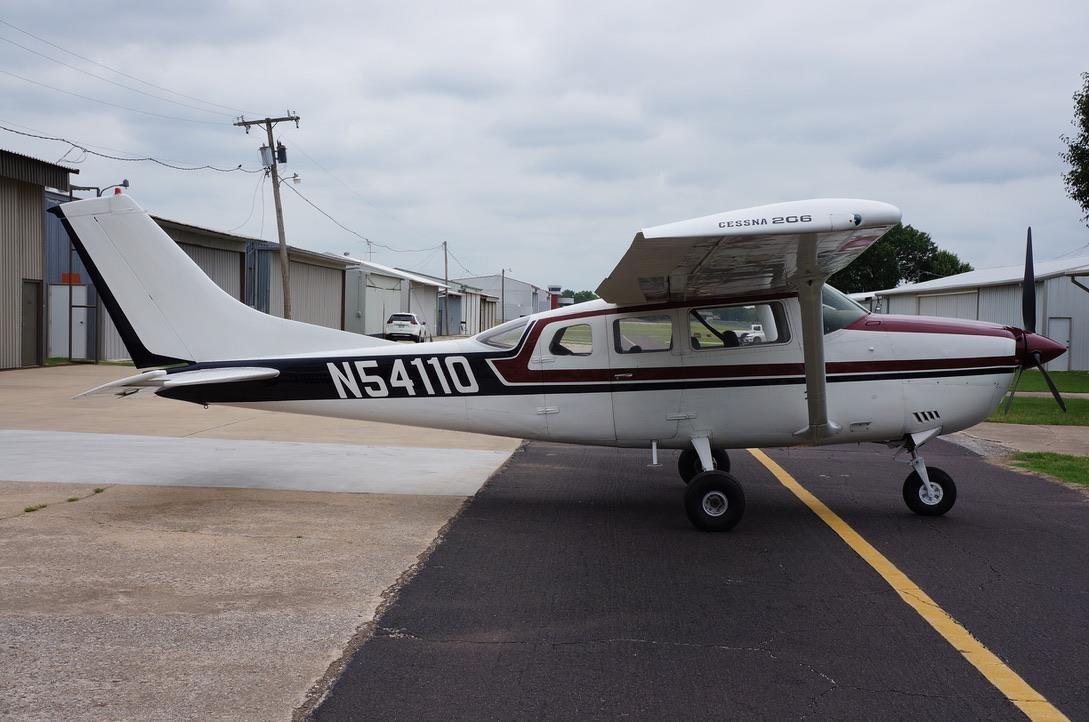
714, 500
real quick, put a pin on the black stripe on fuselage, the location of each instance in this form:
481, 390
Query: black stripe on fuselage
311, 379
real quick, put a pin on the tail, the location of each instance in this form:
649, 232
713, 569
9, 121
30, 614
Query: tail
166, 309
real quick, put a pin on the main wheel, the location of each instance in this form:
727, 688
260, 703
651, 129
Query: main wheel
917, 499
714, 501
689, 464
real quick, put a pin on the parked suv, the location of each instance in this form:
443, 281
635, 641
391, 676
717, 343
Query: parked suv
406, 325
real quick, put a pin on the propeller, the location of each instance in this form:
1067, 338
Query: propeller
1034, 346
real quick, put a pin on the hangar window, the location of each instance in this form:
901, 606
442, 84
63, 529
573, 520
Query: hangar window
506, 335
736, 326
839, 310
643, 334
574, 340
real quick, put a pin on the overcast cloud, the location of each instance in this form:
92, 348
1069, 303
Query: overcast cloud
541, 138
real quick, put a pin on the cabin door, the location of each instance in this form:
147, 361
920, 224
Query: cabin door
646, 375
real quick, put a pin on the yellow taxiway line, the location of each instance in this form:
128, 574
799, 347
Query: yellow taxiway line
1008, 682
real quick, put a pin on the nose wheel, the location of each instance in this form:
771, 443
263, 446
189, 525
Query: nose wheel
933, 498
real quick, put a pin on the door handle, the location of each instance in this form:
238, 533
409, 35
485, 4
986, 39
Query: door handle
622, 376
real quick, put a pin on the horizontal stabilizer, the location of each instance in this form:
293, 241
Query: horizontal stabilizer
160, 379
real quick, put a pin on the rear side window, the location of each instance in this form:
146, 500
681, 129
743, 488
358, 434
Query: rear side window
643, 334
736, 326
574, 340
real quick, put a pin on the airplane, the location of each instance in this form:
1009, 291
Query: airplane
710, 334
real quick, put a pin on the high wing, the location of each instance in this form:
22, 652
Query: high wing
753, 250
791, 246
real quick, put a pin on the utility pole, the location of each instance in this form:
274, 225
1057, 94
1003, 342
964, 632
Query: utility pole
273, 153
446, 298
503, 296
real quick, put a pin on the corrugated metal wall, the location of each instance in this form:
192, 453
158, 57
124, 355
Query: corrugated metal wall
1062, 299
20, 258
317, 293
950, 305
905, 304
223, 267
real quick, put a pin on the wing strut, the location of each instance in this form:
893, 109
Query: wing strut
809, 282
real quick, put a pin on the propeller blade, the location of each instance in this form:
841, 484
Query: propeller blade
1013, 390
1028, 290
1050, 383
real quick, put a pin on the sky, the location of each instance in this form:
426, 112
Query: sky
541, 137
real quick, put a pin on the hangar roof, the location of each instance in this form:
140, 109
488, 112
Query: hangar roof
995, 276
395, 272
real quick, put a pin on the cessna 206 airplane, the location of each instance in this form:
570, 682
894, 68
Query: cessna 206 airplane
711, 334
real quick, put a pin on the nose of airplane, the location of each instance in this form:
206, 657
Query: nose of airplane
1033, 343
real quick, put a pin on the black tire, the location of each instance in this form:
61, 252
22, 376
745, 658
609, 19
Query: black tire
914, 497
689, 464
714, 501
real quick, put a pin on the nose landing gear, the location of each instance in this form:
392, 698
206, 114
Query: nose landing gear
928, 491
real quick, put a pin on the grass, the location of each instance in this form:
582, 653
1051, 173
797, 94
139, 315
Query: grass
1061, 466
72, 498
99, 490
1027, 410
64, 361
1073, 382
34, 507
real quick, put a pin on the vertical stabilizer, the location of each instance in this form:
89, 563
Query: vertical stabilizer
165, 307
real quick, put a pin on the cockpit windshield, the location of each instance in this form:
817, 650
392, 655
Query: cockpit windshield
506, 335
839, 310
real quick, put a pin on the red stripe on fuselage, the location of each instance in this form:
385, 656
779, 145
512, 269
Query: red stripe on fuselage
930, 324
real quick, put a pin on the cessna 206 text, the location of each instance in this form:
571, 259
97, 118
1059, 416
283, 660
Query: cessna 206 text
711, 334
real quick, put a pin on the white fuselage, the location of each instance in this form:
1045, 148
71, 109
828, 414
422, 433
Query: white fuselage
887, 377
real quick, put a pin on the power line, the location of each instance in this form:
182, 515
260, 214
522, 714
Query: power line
149, 159
112, 105
354, 233
123, 74
112, 82
253, 203
460, 263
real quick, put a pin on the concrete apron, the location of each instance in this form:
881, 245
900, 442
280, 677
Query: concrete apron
152, 599
154, 460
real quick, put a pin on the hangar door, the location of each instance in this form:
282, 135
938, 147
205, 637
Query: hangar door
950, 305
383, 297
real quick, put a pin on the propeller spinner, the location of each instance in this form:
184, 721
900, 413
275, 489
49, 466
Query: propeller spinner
1033, 350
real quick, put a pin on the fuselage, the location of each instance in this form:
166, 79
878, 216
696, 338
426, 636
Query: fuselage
595, 373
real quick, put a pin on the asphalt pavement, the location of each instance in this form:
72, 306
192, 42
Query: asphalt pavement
572, 586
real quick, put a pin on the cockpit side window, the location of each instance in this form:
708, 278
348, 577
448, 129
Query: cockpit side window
736, 326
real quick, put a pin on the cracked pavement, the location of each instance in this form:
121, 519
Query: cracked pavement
572, 586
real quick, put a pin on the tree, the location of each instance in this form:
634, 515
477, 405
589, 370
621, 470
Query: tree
1077, 151
903, 255
579, 296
